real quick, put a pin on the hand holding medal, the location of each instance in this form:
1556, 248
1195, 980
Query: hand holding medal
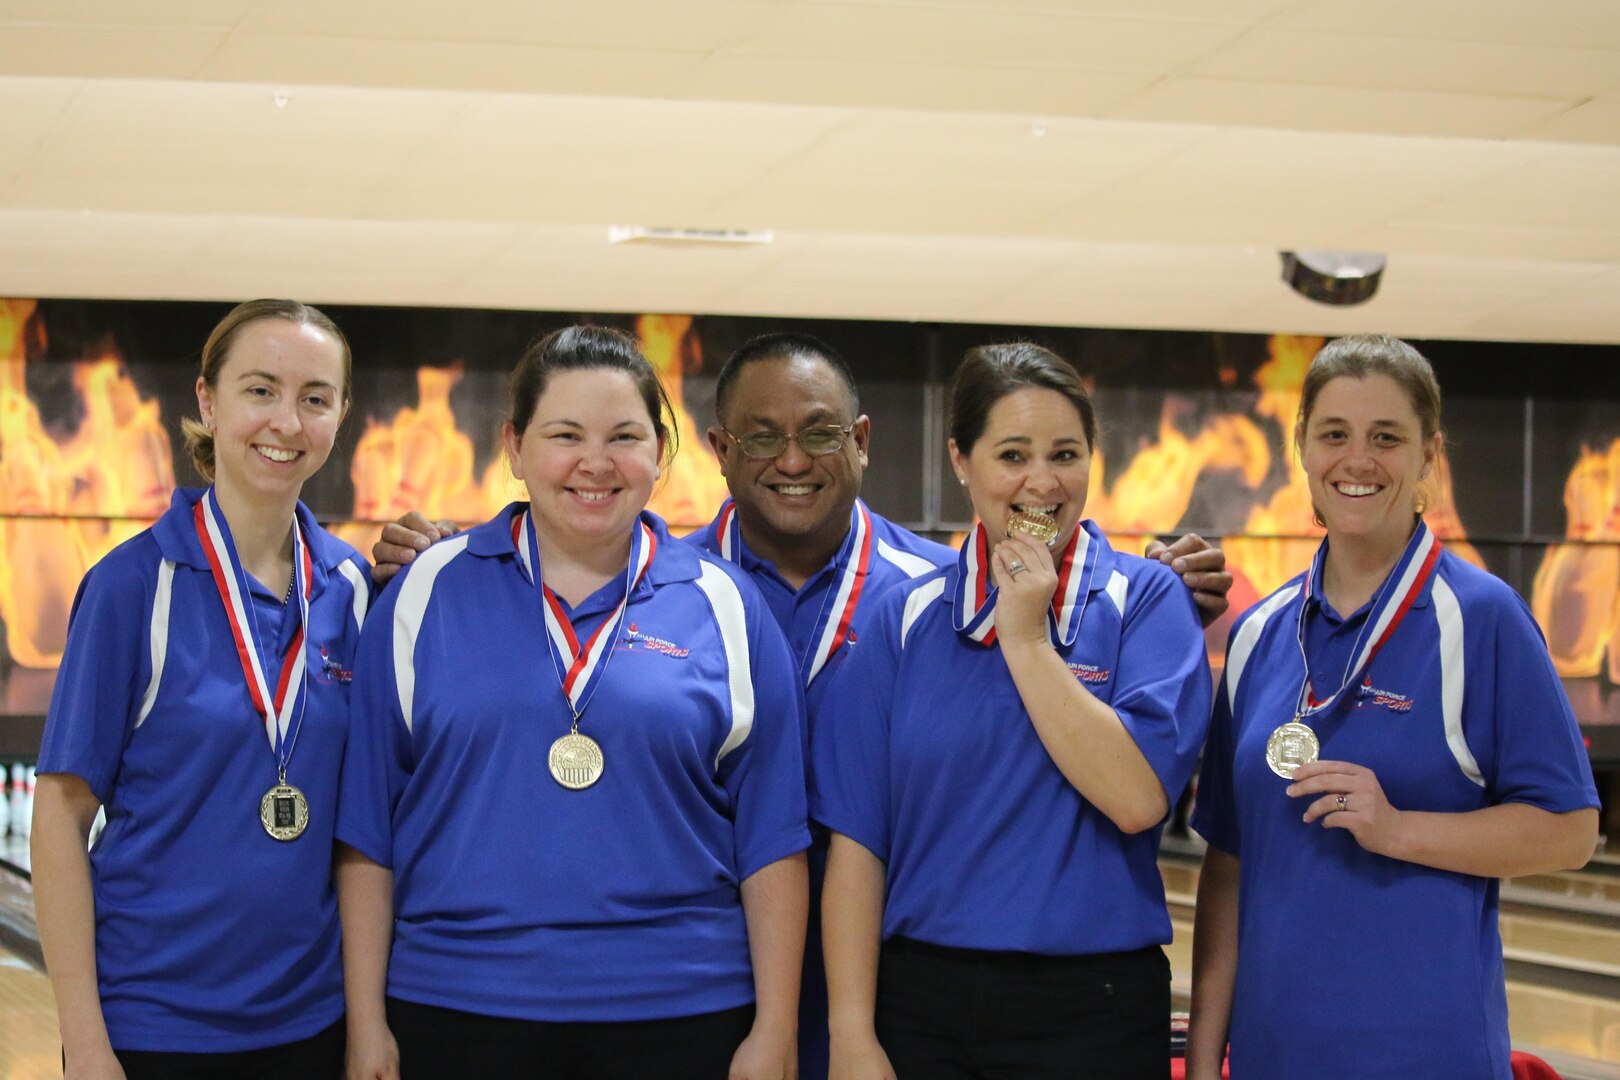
1026, 579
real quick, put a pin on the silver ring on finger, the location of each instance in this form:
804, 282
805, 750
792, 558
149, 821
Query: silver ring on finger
1015, 568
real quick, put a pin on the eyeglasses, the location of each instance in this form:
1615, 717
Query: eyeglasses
814, 441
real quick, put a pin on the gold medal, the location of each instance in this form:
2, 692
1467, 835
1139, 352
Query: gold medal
1043, 527
1290, 746
284, 812
576, 761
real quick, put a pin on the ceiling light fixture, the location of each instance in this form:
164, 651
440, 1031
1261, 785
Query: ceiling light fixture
1333, 277
644, 234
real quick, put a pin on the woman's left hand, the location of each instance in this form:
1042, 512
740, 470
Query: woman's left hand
1026, 577
766, 1055
1350, 798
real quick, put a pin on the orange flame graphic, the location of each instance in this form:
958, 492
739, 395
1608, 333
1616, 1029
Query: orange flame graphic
67, 500
1576, 596
421, 460
1280, 537
65, 504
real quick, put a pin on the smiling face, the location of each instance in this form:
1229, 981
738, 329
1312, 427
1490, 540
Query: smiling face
589, 458
1033, 457
792, 499
1364, 455
274, 407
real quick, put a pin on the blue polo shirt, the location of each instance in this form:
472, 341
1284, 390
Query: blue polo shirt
517, 897
211, 936
898, 556
925, 755
1351, 963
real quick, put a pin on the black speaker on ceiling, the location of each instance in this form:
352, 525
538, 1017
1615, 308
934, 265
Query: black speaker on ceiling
1333, 277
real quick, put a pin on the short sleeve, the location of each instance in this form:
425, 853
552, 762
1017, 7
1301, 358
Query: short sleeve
1214, 815
849, 736
377, 756
1162, 696
1536, 754
104, 675
765, 774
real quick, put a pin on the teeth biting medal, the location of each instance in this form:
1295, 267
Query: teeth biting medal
1042, 526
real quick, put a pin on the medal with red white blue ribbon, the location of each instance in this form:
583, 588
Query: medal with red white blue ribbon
576, 760
283, 811
973, 610
1294, 744
842, 597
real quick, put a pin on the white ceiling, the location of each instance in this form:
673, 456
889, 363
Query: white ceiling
1083, 162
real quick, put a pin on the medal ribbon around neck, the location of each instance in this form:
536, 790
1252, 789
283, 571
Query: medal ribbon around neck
277, 710
580, 667
842, 597
975, 600
1389, 606
729, 536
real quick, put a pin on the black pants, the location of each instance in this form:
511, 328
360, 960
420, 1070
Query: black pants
319, 1057
435, 1043
964, 1014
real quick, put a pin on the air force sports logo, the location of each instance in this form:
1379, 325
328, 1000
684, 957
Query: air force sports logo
1090, 673
1389, 699
636, 639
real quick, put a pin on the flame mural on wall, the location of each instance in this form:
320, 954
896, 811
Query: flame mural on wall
1576, 596
72, 489
421, 460
101, 485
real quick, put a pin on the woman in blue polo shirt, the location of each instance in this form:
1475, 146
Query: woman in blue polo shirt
574, 793
991, 760
202, 703
1388, 740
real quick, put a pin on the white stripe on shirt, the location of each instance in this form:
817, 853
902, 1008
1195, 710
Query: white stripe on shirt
917, 603
913, 565
1453, 676
160, 637
415, 593
732, 622
362, 591
1237, 654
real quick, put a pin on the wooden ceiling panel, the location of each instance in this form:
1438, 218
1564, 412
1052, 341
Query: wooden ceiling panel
1564, 23
1302, 107
105, 52
1496, 69
1036, 92
477, 65
969, 38
634, 25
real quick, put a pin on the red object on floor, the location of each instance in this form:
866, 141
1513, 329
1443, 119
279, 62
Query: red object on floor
1530, 1067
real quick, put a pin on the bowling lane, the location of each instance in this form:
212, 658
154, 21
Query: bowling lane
29, 1045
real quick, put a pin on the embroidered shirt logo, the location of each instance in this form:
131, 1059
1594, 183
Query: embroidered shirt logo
1389, 699
332, 671
1090, 673
635, 637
